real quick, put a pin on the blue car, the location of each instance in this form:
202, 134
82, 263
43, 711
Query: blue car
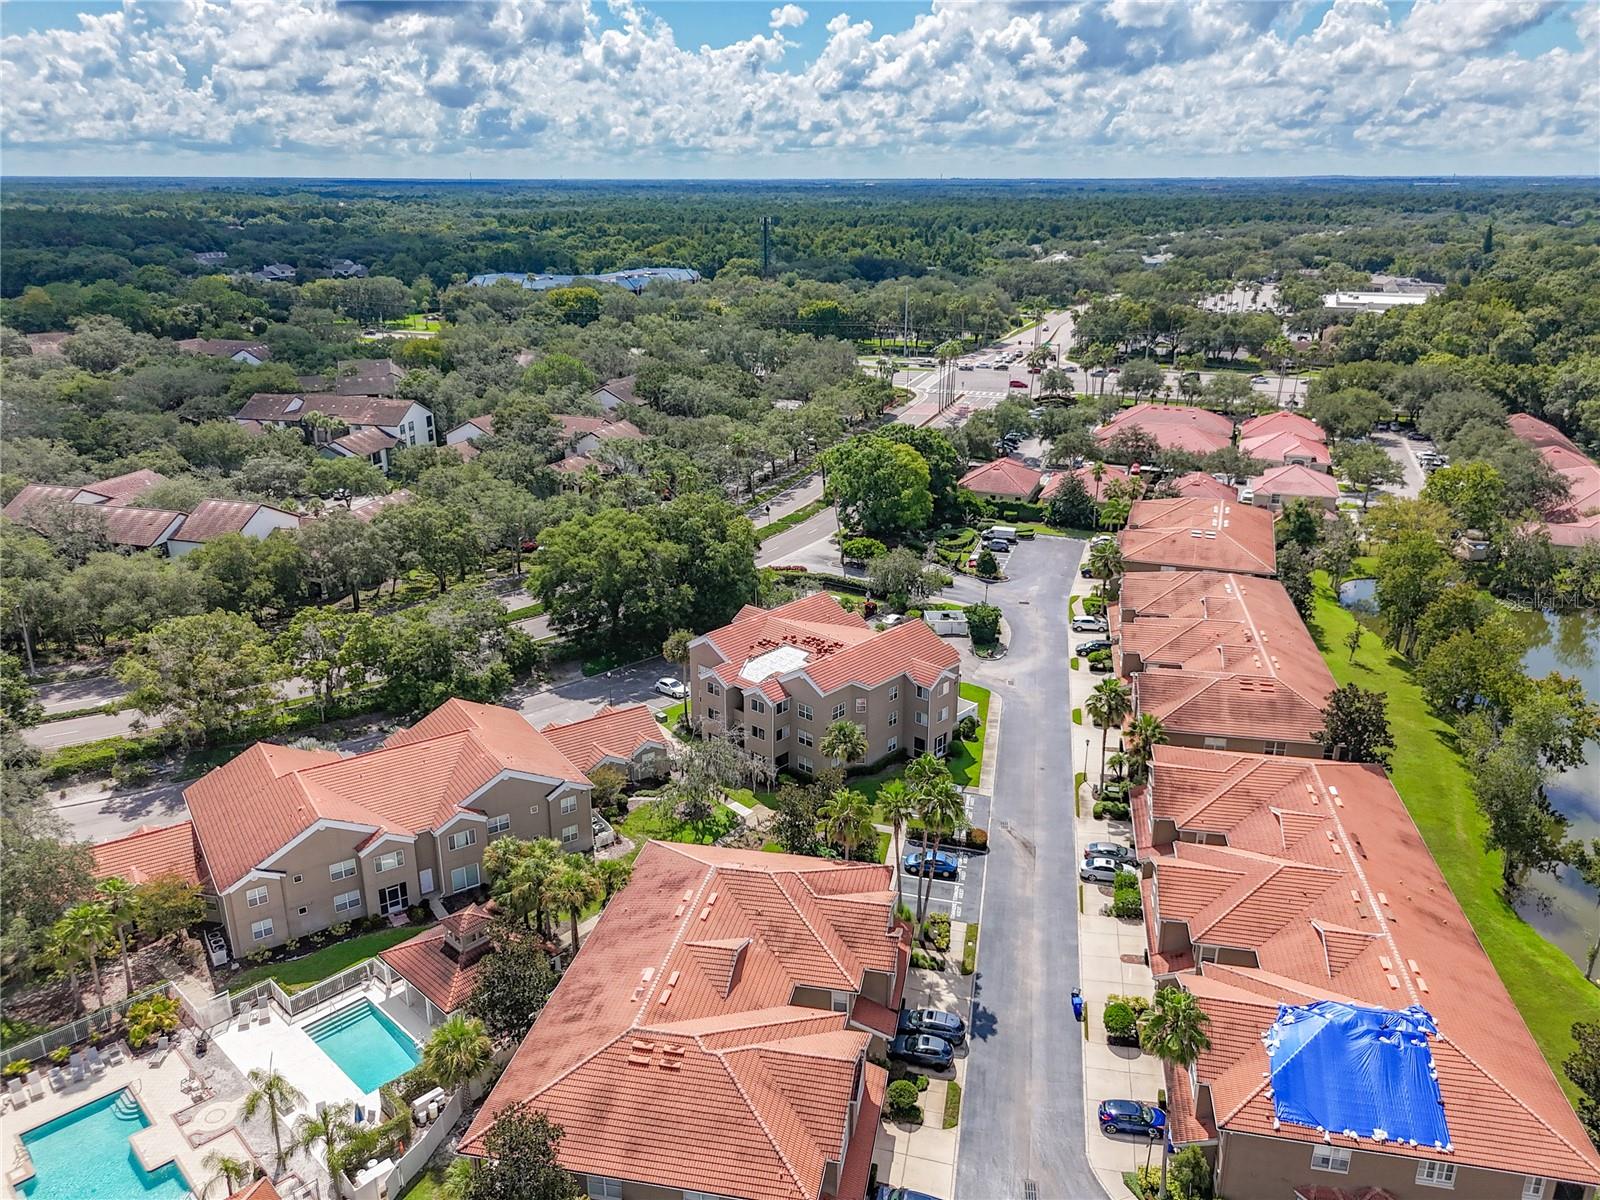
940, 864
922, 1050
1130, 1116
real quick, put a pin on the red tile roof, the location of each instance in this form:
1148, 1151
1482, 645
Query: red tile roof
213, 518
1282, 421
1537, 433
1295, 480
1003, 477
149, 853
1197, 485
1173, 426
1086, 475
125, 489
1210, 535
441, 962
1282, 447
353, 409
1325, 879
672, 1052
261, 1189
613, 733
1583, 482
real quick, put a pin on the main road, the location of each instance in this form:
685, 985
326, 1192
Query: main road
1022, 1127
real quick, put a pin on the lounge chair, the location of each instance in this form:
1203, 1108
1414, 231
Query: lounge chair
14, 1090
246, 1015
114, 1054
58, 1079
35, 1086
264, 1016
96, 1063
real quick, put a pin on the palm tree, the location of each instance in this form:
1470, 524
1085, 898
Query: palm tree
845, 819
232, 1173
89, 928
332, 1128
1144, 735
271, 1092
457, 1051
1173, 1029
941, 810
613, 874
1117, 764
60, 953
118, 896
1109, 704
520, 873
1105, 558
457, 1180
845, 742
572, 887
676, 651
898, 806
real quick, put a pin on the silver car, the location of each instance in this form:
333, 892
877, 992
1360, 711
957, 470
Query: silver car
1099, 870
1088, 625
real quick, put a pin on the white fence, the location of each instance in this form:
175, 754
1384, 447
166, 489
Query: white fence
301, 1002
77, 1031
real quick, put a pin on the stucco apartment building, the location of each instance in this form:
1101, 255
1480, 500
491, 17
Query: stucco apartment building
1223, 660
1284, 439
1198, 535
284, 842
1173, 426
1275, 882
775, 679
711, 1038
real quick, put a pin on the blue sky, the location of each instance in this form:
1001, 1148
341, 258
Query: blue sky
599, 88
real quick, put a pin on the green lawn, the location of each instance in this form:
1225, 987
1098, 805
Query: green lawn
804, 513
300, 973
416, 321
1546, 985
966, 763
427, 1186
671, 714
647, 822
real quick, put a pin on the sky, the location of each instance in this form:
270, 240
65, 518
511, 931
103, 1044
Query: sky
545, 89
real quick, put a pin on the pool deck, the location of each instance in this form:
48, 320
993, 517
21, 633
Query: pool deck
180, 1129
288, 1048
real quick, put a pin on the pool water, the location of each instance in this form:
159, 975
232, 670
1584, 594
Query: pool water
365, 1044
85, 1155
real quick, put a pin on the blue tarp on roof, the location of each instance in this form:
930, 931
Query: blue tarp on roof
1361, 1072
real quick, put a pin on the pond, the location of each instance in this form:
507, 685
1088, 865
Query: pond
1360, 596
1563, 908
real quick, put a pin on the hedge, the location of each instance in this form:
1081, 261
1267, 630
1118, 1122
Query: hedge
952, 1104
822, 579
969, 950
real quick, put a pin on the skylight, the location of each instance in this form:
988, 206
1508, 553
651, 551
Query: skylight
775, 662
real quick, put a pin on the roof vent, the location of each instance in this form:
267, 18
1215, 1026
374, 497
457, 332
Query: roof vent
647, 974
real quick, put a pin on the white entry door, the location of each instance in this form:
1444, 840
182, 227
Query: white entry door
425, 881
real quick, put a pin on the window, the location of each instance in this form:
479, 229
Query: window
805, 739
499, 824
462, 878
1216, 743
298, 879
783, 732
838, 712
940, 742
255, 897
922, 718
1331, 1158
534, 809
758, 733
781, 707
944, 713
756, 706
840, 1001
342, 870
462, 839
802, 763
861, 705
347, 902
713, 714
712, 689
604, 1189
804, 712
894, 717
1280, 749
261, 930
388, 862
1433, 1173
1533, 1187
894, 692
303, 910
922, 692
569, 834
893, 745
569, 804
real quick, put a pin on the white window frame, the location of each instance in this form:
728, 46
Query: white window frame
601, 1187
1333, 1159
894, 717
569, 834
944, 688
756, 705
464, 870
261, 930
804, 738
922, 692
838, 712
713, 714
861, 704
892, 745
803, 712
712, 689
347, 901
1216, 743
781, 707
1276, 749
256, 897
499, 823
1433, 1173
894, 692
1534, 1187
462, 838
758, 733
922, 717
343, 870
802, 763
783, 732
391, 861
944, 713
569, 805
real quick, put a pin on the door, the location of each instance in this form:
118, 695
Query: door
392, 899
425, 881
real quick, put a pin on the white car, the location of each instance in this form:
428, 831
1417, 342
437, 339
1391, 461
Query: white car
1088, 624
1100, 870
673, 688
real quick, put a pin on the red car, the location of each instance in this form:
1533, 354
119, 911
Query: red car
1021, 383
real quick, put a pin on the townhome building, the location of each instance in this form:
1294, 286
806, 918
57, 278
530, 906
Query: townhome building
1198, 535
286, 842
249, 353
775, 679
712, 1037
1173, 427
406, 422
1361, 1043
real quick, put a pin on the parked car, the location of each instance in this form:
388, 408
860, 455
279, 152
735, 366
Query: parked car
668, 686
998, 545
1088, 624
885, 1192
1130, 1116
1098, 372
1258, 379
942, 865
1099, 870
1084, 649
1416, 435
1086, 570
892, 620
1115, 851
1021, 383
936, 1021
922, 1050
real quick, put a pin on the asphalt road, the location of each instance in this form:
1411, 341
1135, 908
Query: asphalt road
962, 897
1022, 1115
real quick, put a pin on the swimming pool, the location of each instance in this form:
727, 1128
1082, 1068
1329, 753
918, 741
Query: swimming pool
85, 1155
365, 1044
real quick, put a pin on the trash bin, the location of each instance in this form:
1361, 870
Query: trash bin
1077, 1003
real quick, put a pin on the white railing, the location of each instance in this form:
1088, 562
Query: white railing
70, 1034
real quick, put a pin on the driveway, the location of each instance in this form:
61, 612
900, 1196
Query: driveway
1022, 1115
1404, 451
574, 697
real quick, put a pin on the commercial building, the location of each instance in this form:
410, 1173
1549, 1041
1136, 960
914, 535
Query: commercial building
1370, 302
711, 1039
775, 679
1198, 535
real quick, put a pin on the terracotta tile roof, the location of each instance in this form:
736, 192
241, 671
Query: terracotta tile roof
878, 1018
1583, 482
125, 489
213, 518
1281, 447
1187, 593
572, 464
574, 427
364, 443
1197, 485
1003, 477
35, 494
248, 809
1173, 426
858, 1161
439, 963
612, 733
1203, 704
261, 1189
149, 853
1095, 487
224, 347
671, 1051
1282, 421
352, 409
1325, 879
819, 626
1572, 534
1537, 433
1200, 535
1295, 480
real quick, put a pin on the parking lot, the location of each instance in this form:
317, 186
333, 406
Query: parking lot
961, 897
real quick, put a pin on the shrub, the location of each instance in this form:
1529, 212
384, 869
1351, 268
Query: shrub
150, 1018
978, 837
936, 932
969, 950
903, 1106
1094, 605
924, 961
983, 620
1119, 1018
292, 946
338, 929
988, 565
967, 730
17, 1068
258, 956
921, 1082
60, 1054
1115, 810
1126, 901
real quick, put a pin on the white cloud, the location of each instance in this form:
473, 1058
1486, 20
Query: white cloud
538, 87
790, 16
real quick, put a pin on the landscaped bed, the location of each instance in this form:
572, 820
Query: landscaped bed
297, 973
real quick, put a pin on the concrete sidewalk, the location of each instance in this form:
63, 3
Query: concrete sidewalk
1110, 962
